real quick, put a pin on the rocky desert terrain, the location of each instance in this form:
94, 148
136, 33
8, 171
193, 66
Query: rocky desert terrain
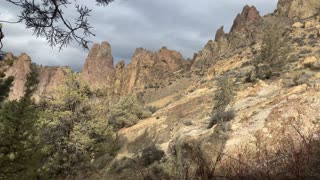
275, 99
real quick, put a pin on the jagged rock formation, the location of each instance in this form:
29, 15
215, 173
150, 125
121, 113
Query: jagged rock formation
220, 34
183, 91
20, 69
249, 16
145, 69
242, 33
300, 9
148, 69
98, 69
49, 79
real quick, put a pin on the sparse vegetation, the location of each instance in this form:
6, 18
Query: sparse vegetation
222, 98
10, 62
220, 116
152, 109
126, 112
75, 130
273, 54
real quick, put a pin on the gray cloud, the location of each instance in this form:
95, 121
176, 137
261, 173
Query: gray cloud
181, 25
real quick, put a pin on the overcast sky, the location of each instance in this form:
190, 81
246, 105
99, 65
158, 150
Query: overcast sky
182, 25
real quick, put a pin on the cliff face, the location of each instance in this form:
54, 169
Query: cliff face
249, 16
98, 69
243, 32
145, 69
300, 9
149, 69
49, 79
20, 69
265, 110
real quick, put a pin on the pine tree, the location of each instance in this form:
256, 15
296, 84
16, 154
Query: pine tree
75, 129
5, 87
19, 145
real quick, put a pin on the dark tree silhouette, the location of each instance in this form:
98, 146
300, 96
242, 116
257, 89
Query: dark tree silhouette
47, 19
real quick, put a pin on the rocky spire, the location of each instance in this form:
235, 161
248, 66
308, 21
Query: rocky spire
219, 34
19, 70
98, 69
249, 15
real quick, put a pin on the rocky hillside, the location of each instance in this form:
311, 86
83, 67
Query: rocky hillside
271, 101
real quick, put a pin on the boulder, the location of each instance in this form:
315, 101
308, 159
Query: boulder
298, 25
309, 24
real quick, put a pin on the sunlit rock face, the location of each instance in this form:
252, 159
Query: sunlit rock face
300, 9
19, 70
98, 69
248, 16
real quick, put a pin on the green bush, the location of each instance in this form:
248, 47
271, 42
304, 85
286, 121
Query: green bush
220, 117
222, 98
273, 54
10, 62
152, 109
74, 129
127, 112
225, 93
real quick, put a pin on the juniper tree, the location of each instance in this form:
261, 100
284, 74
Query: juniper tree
274, 52
19, 145
75, 130
5, 85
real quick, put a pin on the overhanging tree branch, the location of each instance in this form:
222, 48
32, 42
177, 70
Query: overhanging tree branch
47, 19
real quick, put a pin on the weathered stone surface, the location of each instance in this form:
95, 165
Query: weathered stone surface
19, 70
98, 69
147, 68
50, 78
121, 79
249, 16
309, 24
298, 25
298, 8
219, 34
169, 59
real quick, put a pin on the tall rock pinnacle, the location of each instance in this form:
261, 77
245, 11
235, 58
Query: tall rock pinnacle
98, 69
20, 69
249, 15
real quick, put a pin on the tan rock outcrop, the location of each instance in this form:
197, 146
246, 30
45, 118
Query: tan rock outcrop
19, 70
148, 69
219, 34
300, 9
249, 16
310, 24
50, 78
298, 25
121, 79
169, 59
98, 69
242, 33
